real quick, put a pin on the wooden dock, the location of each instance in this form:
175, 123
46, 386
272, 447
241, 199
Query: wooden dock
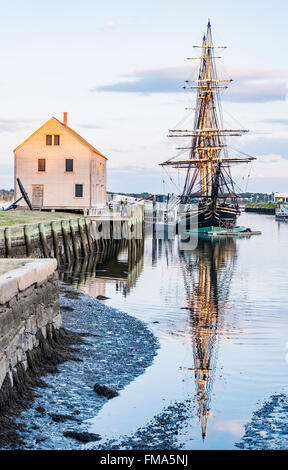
233, 234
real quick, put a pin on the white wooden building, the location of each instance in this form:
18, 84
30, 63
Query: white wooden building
60, 170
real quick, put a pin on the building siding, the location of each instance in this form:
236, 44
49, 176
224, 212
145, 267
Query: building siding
59, 185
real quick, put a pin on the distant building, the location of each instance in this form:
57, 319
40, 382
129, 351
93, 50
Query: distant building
60, 170
281, 197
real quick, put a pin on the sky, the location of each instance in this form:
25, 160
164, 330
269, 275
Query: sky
118, 68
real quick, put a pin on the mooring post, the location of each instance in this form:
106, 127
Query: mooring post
27, 239
103, 235
8, 242
133, 252
93, 229
130, 264
99, 231
143, 221
84, 247
43, 240
65, 241
88, 227
73, 237
55, 241
154, 216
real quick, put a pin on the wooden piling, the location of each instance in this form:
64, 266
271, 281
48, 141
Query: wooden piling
82, 237
73, 237
43, 240
94, 236
27, 239
130, 265
89, 239
8, 243
55, 241
103, 234
65, 241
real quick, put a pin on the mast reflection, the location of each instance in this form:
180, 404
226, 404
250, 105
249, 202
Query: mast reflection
207, 273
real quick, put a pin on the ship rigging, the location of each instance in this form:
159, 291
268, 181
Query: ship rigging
208, 178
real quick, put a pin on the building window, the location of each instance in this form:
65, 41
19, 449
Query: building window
52, 139
48, 139
78, 190
41, 164
56, 139
69, 164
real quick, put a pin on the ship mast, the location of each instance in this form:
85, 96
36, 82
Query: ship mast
208, 150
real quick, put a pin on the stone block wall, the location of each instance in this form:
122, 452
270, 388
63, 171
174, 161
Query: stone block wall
29, 309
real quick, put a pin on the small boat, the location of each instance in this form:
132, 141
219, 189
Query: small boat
281, 213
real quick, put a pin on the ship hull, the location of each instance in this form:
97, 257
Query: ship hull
209, 216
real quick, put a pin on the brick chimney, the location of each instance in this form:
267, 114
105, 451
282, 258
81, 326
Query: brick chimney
65, 118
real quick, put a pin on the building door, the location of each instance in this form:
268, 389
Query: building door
37, 196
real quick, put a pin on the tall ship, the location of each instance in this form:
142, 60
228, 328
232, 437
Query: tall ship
209, 190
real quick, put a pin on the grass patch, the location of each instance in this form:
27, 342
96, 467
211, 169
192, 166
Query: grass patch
272, 205
21, 217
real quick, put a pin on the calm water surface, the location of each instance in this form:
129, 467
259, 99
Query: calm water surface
221, 315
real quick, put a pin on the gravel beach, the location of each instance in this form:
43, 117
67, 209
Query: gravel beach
268, 428
116, 349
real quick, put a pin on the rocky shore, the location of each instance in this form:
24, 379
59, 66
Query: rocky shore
116, 348
161, 433
268, 428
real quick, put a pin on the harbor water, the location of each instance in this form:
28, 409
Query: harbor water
220, 313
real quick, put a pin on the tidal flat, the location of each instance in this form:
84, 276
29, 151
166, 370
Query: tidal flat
116, 349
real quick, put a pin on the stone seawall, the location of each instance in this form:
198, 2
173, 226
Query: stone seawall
29, 314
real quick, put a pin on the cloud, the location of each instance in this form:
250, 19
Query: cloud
250, 85
257, 91
90, 126
10, 125
120, 150
166, 80
268, 173
136, 170
270, 166
143, 85
266, 166
275, 121
134, 179
262, 144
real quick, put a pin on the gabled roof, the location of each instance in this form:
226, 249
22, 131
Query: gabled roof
68, 129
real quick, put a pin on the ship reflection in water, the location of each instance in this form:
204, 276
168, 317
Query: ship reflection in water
207, 275
206, 272
219, 312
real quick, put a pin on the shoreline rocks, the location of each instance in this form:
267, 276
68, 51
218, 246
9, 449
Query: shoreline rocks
109, 355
